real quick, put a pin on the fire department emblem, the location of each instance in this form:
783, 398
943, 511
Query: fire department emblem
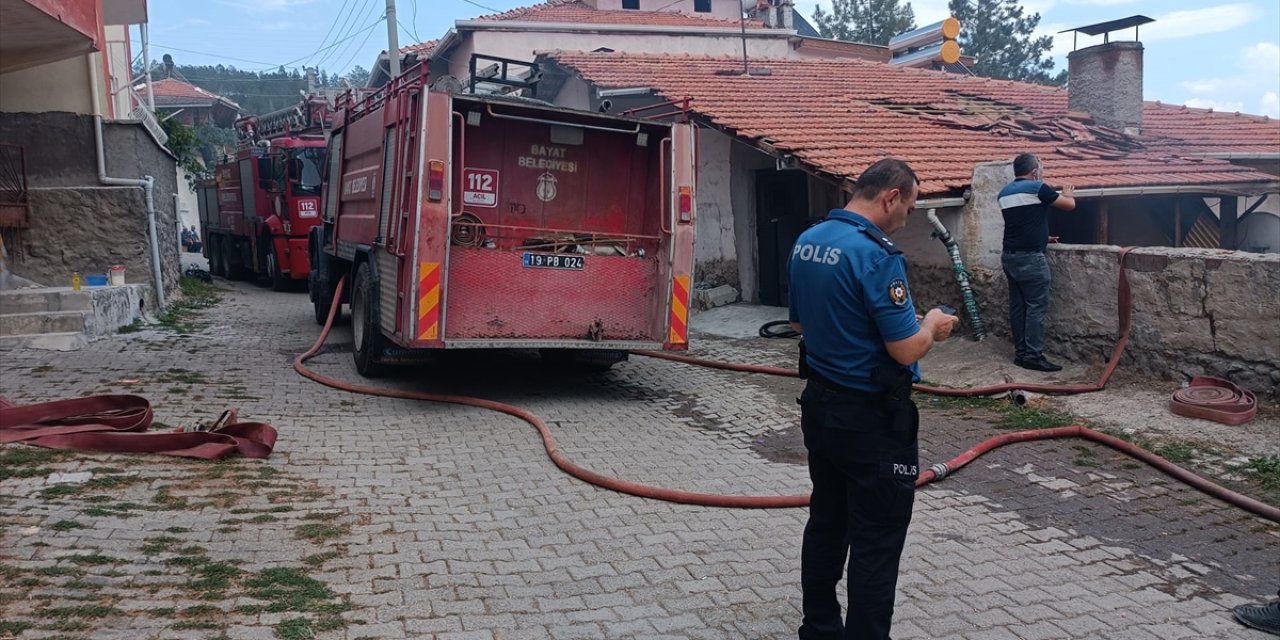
898, 292
546, 190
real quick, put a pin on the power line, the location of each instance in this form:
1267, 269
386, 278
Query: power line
407, 32
357, 51
331, 26
347, 25
414, 20
351, 22
339, 54
471, 2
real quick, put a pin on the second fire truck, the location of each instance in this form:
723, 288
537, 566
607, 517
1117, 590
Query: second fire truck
262, 203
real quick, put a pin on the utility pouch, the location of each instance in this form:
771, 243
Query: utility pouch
896, 382
803, 366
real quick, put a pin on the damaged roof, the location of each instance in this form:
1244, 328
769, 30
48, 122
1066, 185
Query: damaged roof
839, 116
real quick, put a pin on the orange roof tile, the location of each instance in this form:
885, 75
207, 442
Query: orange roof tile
423, 49
171, 92
839, 116
576, 11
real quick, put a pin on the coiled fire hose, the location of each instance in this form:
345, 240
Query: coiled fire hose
935, 473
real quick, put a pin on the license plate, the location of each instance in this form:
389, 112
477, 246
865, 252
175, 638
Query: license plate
554, 261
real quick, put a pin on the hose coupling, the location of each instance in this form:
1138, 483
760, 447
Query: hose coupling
940, 470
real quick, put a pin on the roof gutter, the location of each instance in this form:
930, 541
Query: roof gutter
941, 203
1242, 155
1239, 189
517, 25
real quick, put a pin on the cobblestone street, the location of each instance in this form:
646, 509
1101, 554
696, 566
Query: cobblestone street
383, 518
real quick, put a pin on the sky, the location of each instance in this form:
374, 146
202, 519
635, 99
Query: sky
1221, 54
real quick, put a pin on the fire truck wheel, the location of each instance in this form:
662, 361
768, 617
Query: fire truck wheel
364, 325
231, 266
279, 281
215, 256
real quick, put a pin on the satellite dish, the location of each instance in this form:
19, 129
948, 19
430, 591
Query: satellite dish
447, 84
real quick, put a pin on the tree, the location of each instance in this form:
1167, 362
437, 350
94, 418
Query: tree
867, 21
358, 76
999, 35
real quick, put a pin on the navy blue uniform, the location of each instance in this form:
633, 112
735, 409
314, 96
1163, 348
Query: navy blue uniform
1025, 206
849, 292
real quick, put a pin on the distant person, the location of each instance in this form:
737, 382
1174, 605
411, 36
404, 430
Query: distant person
1263, 617
185, 235
1025, 203
862, 340
196, 244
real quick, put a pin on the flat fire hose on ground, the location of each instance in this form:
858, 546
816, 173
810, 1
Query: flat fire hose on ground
935, 473
119, 423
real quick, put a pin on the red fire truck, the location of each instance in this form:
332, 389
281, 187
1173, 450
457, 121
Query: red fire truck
259, 208
467, 221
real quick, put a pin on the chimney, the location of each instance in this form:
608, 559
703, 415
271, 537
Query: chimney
1105, 80
786, 15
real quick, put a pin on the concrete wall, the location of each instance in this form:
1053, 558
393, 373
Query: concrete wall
522, 45
716, 251
57, 86
1195, 311
725, 9
78, 224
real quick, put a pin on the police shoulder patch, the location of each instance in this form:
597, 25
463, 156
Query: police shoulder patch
898, 292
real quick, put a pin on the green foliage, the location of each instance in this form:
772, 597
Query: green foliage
185, 144
866, 21
999, 36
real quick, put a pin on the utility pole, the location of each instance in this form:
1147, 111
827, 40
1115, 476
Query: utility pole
146, 66
393, 41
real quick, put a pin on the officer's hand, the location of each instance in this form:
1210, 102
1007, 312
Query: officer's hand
940, 324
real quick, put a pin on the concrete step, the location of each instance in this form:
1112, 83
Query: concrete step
48, 341
33, 301
16, 324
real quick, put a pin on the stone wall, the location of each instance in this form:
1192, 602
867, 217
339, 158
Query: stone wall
77, 224
1195, 311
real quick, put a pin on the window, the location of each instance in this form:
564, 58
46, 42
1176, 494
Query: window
702, 6
634, 5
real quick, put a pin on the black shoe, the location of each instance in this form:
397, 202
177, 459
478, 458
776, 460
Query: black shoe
1263, 617
1038, 364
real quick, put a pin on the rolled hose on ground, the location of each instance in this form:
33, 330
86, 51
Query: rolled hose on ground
933, 474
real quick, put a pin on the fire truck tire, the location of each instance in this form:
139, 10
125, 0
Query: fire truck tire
367, 337
215, 256
231, 266
592, 360
279, 281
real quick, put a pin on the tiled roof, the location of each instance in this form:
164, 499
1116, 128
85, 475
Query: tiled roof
423, 49
578, 12
1208, 131
839, 116
171, 92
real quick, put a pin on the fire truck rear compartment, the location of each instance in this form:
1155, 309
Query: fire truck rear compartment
560, 233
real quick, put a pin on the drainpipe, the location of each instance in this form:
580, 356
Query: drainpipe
962, 274
147, 183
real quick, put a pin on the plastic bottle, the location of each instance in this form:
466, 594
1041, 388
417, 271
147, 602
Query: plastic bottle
76, 280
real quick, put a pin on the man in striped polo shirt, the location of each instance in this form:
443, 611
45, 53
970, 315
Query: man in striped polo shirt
1025, 203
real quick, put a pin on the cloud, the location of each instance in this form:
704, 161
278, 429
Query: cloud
1263, 57
1270, 104
1216, 105
1196, 22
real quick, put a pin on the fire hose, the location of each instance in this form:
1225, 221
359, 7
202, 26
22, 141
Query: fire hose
935, 473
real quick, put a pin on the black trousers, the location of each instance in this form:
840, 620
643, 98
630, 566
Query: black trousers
863, 476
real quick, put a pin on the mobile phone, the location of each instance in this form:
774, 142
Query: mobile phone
947, 310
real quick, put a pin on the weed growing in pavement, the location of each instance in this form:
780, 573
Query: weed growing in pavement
1265, 470
318, 559
66, 525
196, 295
132, 327
21, 461
316, 531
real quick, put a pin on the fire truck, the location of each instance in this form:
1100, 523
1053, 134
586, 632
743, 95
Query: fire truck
260, 206
472, 221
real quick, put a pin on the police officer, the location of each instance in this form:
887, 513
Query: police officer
862, 339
